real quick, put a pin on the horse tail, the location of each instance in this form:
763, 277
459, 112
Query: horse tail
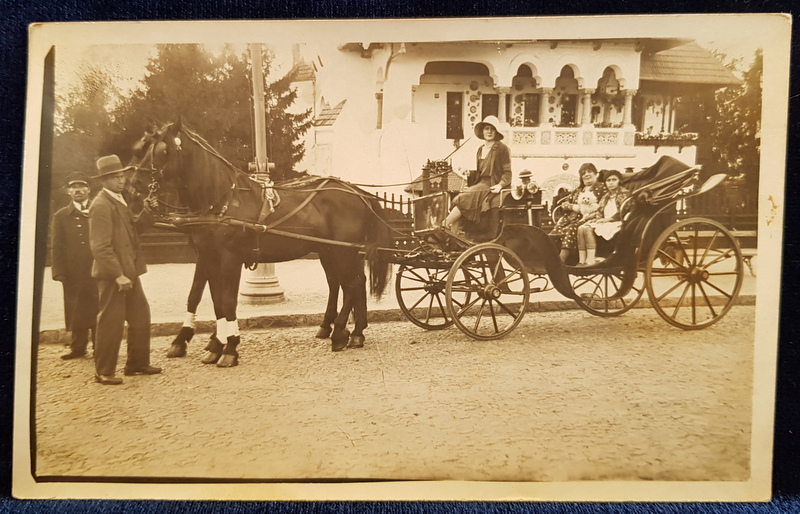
379, 235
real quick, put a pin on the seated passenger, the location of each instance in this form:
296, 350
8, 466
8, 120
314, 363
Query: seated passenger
523, 205
605, 222
567, 225
494, 174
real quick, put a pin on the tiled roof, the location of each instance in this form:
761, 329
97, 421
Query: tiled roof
687, 63
303, 72
454, 183
327, 115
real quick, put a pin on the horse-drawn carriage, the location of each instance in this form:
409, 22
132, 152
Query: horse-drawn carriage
691, 269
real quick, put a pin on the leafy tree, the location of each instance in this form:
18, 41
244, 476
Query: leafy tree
285, 128
731, 120
82, 123
213, 95
208, 92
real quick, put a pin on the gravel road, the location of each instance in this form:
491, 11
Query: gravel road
567, 396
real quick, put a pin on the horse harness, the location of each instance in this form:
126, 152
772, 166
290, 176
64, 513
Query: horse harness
270, 199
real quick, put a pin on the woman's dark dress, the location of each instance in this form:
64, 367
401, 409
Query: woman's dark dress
495, 168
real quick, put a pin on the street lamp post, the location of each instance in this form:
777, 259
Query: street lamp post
261, 284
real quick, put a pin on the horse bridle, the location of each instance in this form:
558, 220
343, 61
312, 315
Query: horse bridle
157, 177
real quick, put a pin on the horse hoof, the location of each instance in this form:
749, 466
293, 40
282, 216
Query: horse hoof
213, 351
339, 341
178, 349
356, 342
210, 358
228, 361
230, 357
324, 332
178, 346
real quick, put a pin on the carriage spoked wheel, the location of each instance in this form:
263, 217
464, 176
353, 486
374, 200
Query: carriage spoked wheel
496, 287
420, 295
694, 272
601, 294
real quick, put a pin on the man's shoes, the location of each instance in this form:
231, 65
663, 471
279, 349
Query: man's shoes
73, 355
144, 370
108, 379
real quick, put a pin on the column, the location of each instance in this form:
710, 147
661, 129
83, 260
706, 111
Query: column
379, 111
544, 106
627, 109
501, 104
413, 104
587, 106
261, 284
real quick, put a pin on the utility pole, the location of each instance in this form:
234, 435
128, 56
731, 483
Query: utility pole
261, 284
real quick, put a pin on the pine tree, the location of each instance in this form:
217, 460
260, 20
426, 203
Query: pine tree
212, 94
283, 145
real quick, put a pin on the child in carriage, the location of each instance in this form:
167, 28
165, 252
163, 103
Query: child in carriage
604, 222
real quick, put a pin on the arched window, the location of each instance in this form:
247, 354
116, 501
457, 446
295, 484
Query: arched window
523, 109
566, 94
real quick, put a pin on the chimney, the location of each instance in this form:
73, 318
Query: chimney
296, 59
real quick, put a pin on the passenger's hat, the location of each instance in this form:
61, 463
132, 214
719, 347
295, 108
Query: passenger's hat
489, 120
108, 165
525, 174
77, 178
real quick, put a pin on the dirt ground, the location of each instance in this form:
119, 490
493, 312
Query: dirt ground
566, 397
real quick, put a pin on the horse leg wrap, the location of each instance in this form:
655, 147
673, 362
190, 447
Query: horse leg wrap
230, 357
213, 351
356, 342
178, 346
324, 332
339, 341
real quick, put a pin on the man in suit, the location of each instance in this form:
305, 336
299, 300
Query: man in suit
72, 265
118, 264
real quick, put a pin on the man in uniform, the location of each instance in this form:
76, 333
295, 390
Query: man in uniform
118, 264
72, 265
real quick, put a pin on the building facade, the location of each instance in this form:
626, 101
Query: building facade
383, 109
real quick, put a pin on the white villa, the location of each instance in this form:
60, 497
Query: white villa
383, 109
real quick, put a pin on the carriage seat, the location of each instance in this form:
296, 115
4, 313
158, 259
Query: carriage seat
485, 229
526, 211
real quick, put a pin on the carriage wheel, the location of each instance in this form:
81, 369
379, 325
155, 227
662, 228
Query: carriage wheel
598, 294
421, 297
495, 283
694, 273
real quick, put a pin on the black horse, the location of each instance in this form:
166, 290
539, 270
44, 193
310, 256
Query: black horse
233, 222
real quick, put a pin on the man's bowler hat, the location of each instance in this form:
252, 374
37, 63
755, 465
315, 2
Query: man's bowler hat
108, 165
77, 178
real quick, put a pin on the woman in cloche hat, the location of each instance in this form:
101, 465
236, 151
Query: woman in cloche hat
494, 174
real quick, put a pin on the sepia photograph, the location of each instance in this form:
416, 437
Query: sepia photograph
525, 259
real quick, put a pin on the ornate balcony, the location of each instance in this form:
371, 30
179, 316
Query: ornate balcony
580, 141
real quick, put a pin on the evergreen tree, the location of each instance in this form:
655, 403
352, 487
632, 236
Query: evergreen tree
211, 92
285, 128
82, 122
213, 96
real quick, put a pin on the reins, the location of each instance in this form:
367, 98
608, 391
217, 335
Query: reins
201, 217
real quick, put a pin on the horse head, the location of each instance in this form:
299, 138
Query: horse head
166, 152
150, 175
